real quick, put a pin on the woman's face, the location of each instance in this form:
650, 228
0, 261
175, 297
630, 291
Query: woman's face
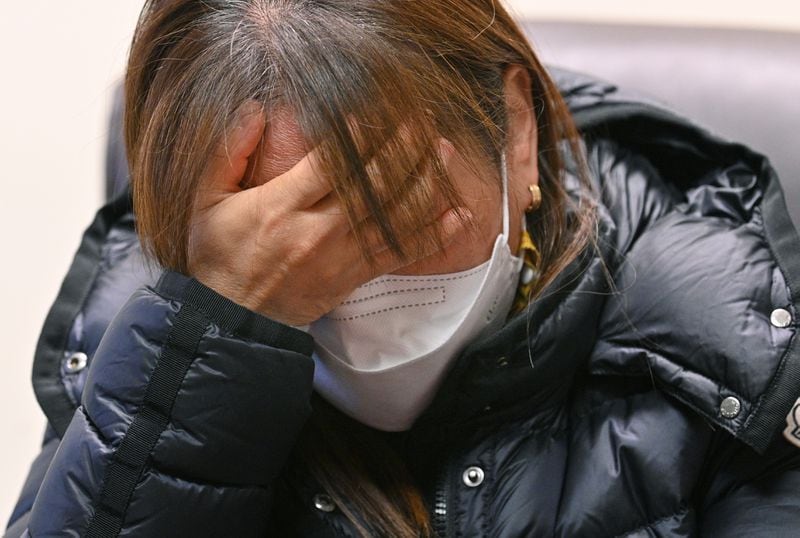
284, 147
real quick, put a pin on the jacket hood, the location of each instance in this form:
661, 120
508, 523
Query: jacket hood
705, 289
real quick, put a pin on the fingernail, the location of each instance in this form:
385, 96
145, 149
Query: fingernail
464, 213
446, 149
248, 108
461, 216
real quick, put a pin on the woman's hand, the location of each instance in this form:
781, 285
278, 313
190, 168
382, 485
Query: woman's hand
285, 248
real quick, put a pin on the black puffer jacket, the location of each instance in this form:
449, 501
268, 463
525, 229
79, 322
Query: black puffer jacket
659, 409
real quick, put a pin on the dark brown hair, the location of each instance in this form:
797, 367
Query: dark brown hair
354, 72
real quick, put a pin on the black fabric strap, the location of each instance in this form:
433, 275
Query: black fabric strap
129, 460
772, 408
231, 317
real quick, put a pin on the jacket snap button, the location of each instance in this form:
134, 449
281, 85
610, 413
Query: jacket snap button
473, 477
77, 362
781, 318
502, 361
730, 407
324, 502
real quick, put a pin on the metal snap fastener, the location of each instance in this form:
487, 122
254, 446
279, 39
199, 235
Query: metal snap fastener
324, 502
77, 362
473, 476
780, 318
730, 407
502, 361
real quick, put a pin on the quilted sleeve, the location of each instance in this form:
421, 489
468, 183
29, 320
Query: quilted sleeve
191, 408
22, 511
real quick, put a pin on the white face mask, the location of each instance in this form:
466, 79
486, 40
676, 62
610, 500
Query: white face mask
381, 355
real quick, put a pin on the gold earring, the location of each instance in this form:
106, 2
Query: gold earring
536, 198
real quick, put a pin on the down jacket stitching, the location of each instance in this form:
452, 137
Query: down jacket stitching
683, 367
682, 509
661, 385
202, 482
552, 433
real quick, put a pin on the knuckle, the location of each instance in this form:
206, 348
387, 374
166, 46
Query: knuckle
304, 250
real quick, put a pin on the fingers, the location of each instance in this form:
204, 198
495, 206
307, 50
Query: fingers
411, 180
306, 187
229, 162
448, 226
417, 186
303, 185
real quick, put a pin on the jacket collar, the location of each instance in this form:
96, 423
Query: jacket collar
528, 367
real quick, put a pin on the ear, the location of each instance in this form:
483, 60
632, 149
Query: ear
521, 147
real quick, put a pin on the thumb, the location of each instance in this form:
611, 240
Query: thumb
229, 163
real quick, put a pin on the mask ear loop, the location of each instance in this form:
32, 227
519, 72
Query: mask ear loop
504, 177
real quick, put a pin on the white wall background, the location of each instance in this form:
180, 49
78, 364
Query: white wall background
58, 61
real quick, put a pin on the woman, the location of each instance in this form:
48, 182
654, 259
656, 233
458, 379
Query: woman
402, 297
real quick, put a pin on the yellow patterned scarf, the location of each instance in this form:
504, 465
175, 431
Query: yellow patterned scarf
528, 275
